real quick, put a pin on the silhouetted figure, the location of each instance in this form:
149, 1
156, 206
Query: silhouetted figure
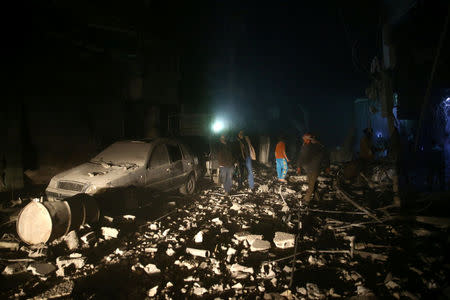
226, 164
436, 166
313, 158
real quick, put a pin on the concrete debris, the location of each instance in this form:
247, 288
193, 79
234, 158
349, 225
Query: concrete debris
151, 269
71, 240
198, 238
13, 246
199, 291
198, 252
41, 269
217, 221
238, 286
16, 268
60, 290
129, 217
259, 245
263, 188
153, 291
88, 238
284, 240
170, 252
109, 233
151, 250
240, 272
64, 261
109, 219
314, 291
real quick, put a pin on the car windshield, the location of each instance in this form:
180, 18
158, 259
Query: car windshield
124, 154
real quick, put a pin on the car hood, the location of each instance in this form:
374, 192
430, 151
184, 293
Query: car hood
93, 173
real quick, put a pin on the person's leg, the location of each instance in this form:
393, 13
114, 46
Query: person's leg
312, 178
284, 169
241, 166
279, 167
228, 179
248, 163
221, 175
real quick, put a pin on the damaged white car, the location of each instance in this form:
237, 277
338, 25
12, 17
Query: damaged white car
160, 164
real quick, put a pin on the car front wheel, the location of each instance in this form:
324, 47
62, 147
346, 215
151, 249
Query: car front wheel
189, 187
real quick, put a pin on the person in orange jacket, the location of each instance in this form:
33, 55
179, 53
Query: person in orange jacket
281, 159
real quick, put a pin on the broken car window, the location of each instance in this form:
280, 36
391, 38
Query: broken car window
159, 157
174, 153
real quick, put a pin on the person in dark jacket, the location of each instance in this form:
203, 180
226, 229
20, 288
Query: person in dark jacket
313, 158
246, 154
226, 164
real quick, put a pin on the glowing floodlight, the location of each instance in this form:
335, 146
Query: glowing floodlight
218, 126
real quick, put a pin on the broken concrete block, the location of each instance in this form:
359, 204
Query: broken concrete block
88, 238
198, 238
170, 252
198, 252
14, 246
129, 217
64, 261
109, 233
236, 207
151, 269
284, 240
71, 240
41, 269
240, 272
199, 291
217, 221
263, 188
16, 268
152, 292
151, 250
237, 286
259, 245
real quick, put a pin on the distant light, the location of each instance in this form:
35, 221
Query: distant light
379, 134
218, 126
447, 102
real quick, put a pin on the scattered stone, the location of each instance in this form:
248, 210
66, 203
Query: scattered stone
259, 245
13, 246
197, 252
109, 233
170, 252
129, 217
15, 268
198, 238
152, 292
151, 269
284, 240
217, 221
41, 269
60, 290
199, 291
239, 272
88, 238
64, 261
263, 188
153, 226
237, 286
71, 240
109, 219
151, 250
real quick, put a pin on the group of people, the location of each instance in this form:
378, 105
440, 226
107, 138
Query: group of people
237, 155
313, 158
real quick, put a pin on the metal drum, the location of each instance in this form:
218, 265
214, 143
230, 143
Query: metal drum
39, 223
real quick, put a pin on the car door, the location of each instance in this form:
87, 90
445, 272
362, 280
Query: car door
158, 173
176, 164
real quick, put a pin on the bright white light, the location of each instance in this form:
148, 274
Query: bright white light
218, 126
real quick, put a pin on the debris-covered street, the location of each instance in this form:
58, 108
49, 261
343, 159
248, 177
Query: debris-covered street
267, 244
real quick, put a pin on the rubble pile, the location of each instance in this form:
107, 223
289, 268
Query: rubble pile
267, 243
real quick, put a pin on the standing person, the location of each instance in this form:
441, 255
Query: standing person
281, 159
246, 155
366, 148
226, 162
313, 158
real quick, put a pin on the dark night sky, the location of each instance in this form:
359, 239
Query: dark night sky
286, 52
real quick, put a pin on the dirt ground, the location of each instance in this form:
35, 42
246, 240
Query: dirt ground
341, 251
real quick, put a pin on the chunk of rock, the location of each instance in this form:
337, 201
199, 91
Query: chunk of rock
284, 240
151, 269
259, 245
14, 246
238, 271
64, 261
109, 233
16, 268
71, 240
198, 238
263, 188
41, 269
88, 238
152, 292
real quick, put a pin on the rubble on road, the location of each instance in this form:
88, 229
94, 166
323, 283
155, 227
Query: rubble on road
266, 244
